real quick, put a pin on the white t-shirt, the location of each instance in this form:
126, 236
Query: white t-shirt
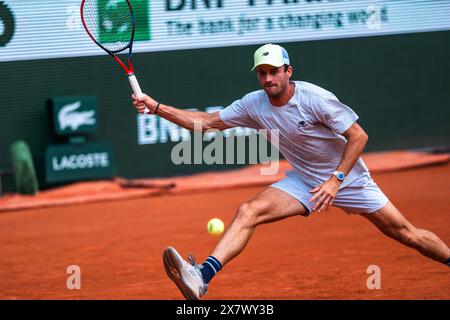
310, 127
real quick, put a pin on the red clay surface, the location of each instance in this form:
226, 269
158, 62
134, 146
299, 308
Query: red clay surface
118, 246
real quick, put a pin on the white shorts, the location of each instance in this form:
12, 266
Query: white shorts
361, 196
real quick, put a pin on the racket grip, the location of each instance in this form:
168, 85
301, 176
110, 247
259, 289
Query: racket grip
136, 88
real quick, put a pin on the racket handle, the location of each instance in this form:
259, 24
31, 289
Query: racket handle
136, 88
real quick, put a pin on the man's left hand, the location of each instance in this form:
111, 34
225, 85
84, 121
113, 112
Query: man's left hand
325, 194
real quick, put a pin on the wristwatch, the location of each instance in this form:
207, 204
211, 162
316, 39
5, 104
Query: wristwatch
339, 175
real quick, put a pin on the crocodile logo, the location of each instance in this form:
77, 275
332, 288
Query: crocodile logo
68, 117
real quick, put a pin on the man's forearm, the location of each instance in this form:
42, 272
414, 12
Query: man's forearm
185, 118
325, 194
352, 151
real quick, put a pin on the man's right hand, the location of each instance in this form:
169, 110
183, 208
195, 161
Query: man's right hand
142, 102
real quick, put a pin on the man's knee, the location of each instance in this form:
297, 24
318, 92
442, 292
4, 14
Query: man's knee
248, 213
406, 235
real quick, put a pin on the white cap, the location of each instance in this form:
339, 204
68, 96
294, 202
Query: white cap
271, 54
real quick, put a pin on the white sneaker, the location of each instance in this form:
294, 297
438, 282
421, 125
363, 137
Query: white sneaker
187, 276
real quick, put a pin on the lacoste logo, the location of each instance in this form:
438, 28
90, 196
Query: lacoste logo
265, 54
68, 117
301, 124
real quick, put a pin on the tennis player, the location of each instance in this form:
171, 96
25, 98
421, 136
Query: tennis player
321, 139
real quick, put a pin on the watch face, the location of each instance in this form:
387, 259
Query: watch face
340, 176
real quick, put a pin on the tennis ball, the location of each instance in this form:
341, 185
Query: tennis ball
215, 226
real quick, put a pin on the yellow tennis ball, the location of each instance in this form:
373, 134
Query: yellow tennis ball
215, 226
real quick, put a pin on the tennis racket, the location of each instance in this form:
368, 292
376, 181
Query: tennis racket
111, 25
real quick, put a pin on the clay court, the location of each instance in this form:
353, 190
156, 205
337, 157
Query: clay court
118, 245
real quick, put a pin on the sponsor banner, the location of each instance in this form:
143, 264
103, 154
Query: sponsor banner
74, 115
152, 129
64, 163
41, 29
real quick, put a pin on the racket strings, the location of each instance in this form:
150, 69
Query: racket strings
110, 22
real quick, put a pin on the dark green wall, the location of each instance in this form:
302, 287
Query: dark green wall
399, 85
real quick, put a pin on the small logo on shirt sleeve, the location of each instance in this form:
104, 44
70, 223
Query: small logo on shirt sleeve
301, 124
